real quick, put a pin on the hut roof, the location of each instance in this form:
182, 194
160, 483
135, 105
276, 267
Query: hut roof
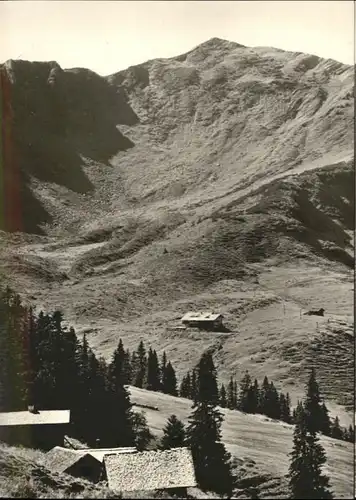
40, 418
99, 453
150, 470
60, 459
201, 316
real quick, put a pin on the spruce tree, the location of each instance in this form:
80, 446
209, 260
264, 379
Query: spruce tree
313, 403
169, 380
140, 366
235, 395
194, 385
117, 365
211, 461
153, 373
119, 429
264, 407
207, 387
288, 409
249, 395
284, 407
231, 401
222, 396
273, 403
173, 434
254, 397
351, 434
336, 431
306, 480
141, 431
127, 368
185, 389
162, 367
325, 422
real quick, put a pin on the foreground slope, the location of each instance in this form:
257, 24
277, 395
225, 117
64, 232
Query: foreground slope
260, 444
220, 179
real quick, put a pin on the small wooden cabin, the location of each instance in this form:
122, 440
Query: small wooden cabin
84, 463
204, 320
34, 429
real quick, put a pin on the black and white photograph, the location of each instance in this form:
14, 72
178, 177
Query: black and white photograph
177, 222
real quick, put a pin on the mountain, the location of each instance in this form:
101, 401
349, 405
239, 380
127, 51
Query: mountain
219, 179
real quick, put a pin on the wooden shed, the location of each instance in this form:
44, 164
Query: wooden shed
83, 465
86, 463
34, 429
206, 320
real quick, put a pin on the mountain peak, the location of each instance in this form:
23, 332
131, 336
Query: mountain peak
216, 42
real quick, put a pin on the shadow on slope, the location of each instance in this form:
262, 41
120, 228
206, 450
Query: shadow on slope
315, 209
52, 117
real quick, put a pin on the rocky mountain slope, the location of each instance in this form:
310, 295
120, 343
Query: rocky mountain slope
219, 179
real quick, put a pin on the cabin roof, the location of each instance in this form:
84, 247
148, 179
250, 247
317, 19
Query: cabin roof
60, 459
201, 316
150, 470
40, 418
99, 453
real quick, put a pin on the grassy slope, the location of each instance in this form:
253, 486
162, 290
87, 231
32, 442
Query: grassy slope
262, 444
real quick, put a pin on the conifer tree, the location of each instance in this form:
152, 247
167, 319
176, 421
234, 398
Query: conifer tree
141, 431
117, 365
211, 461
169, 380
231, 400
351, 434
162, 367
153, 373
222, 396
185, 389
306, 480
119, 429
173, 434
235, 395
244, 400
313, 403
194, 385
254, 397
284, 407
325, 422
127, 368
336, 431
288, 409
273, 403
207, 387
140, 367
264, 397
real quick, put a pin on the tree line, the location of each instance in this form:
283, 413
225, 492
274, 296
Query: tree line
44, 364
142, 368
251, 397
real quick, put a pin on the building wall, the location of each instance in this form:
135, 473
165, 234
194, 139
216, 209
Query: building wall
208, 325
34, 436
88, 468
